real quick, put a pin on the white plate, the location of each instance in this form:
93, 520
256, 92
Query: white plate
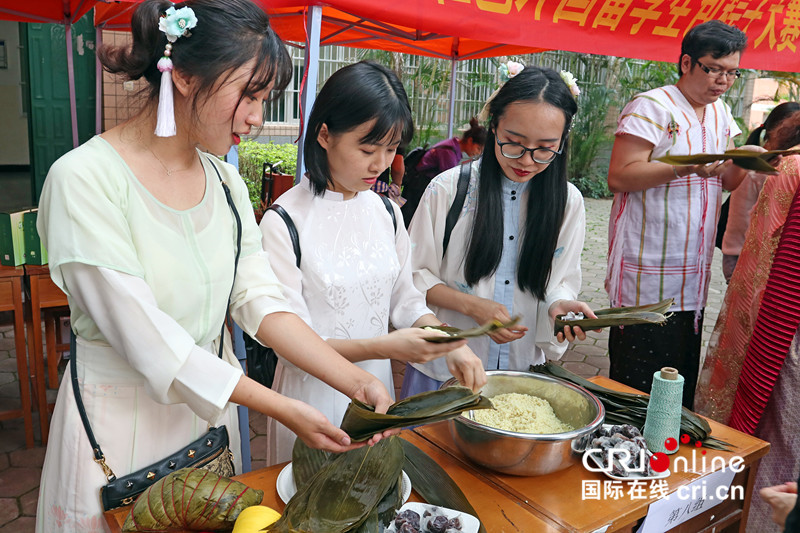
469, 524
287, 488
634, 476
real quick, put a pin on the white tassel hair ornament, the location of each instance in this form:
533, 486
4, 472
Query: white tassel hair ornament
174, 23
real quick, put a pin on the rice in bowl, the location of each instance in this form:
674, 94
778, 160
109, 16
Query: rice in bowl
521, 413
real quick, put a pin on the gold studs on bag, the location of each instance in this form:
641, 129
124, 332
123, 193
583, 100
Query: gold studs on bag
151, 475
191, 453
209, 443
172, 465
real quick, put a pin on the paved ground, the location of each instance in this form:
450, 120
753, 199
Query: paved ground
20, 468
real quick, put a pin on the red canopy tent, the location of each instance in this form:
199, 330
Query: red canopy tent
643, 29
45, 11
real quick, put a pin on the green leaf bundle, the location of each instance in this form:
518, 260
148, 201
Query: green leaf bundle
629, 408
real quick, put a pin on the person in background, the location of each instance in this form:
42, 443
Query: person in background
751, 375
440, 157
516, 246
744, 197
664, 218
142, 238
390, 182
782, 500
354, 276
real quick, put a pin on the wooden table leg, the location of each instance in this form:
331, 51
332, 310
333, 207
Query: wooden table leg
22, 362
50, 347
36, 355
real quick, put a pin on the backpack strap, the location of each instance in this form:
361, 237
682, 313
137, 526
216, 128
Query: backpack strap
458, 204
388, 205
293, 235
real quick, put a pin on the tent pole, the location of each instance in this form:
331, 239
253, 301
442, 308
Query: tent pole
73, 108
452, 111
98, 82
314, 26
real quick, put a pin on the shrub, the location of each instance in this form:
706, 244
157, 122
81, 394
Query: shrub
253, 154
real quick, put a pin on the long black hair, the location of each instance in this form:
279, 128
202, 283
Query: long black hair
228, 35
355, 95
547, 191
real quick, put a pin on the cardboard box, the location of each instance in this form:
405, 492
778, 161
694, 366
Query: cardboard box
35, 254
12, 244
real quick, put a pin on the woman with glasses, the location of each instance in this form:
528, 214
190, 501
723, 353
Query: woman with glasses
515, 248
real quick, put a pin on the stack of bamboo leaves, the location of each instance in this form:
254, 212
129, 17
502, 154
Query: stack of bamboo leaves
360, 491
629, 408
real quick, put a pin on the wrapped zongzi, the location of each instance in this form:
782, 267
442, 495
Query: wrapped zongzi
193, 499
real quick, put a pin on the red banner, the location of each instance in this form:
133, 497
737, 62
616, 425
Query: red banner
645, 29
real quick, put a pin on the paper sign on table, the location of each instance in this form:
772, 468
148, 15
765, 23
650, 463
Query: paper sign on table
688, 501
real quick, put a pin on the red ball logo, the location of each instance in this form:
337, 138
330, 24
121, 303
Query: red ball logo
659, 461
670, 444
685, 438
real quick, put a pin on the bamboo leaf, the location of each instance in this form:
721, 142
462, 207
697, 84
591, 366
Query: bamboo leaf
455, 334
433, 483
361, 422
619, 316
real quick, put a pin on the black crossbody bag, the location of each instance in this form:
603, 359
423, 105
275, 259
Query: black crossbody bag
211, 451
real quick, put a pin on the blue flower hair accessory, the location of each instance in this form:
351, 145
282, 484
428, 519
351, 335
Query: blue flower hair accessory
174, 23
177, 23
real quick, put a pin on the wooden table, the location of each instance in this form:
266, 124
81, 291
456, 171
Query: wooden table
11, 300
554, 502
44, 295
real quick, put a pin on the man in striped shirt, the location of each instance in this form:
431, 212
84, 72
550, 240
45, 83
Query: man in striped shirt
664, 218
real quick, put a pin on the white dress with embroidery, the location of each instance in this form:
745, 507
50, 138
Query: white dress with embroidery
354, 278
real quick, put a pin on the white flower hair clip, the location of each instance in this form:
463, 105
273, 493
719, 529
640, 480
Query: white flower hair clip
510, 69
174, 23
571, 82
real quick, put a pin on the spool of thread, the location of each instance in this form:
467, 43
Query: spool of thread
663, 419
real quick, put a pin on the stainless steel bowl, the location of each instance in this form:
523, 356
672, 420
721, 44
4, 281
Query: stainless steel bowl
527, 454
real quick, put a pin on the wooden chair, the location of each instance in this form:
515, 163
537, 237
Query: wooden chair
11, 300
44, 295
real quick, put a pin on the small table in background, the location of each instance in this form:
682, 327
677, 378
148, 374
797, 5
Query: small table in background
44, 296
11, 300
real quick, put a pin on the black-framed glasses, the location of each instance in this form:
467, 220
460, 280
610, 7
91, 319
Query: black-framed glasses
541, 155
717, 73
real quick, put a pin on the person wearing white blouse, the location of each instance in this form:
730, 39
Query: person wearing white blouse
515, 248
354, 277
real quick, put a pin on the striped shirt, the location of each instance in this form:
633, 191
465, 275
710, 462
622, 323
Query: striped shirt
661, 239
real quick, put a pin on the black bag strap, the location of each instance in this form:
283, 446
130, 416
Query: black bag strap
458, 204
99, 458
293, 235
388, 205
